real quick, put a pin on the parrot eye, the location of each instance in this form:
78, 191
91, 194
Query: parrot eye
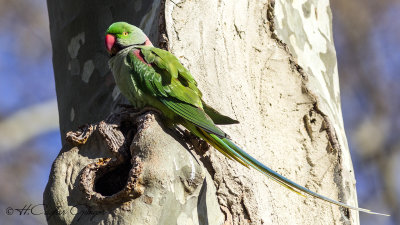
125, 33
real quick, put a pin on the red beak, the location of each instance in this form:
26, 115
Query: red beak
110, 41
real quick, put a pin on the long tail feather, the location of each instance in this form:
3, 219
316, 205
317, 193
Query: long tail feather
227, 147
220, 146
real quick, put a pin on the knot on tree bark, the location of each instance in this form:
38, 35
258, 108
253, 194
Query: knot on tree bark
128, 169
111, 180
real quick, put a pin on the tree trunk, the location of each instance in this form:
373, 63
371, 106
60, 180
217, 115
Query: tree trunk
269, 64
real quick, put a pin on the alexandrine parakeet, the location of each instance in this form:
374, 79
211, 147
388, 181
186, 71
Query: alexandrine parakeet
149, 76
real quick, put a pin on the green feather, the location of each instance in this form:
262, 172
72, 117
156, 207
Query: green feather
193, 114
166, 68
217, 117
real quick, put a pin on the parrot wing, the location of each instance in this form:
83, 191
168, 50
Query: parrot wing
217, 117
171, 83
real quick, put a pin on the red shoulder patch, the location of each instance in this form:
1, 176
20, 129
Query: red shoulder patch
148, 42
139, 55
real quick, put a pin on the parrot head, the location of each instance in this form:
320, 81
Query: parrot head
121, 35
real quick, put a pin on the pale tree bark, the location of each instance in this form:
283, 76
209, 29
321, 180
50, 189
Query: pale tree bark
269, 64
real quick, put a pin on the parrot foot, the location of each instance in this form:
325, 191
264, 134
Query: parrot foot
144, 110
199, 145
135, 112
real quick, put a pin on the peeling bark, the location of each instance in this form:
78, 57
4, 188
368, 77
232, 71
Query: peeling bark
129, 171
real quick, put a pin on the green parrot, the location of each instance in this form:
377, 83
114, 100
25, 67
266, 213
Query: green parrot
149, 76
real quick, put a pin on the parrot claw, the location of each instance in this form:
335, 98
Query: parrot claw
199, 145
143, 111
134, 112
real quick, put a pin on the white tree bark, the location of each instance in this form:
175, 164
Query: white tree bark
272, 66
